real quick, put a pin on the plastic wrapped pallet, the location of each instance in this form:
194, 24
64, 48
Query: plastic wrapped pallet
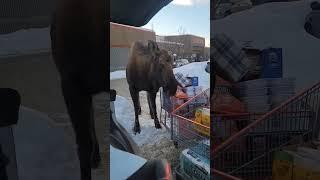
194, 165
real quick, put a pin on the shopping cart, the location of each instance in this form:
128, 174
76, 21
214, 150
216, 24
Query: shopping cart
185, 131
248, 141
169, 104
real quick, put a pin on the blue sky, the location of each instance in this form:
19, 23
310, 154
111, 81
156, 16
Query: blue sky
190, 16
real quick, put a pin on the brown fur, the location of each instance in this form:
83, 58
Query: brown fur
78, 47
148, 69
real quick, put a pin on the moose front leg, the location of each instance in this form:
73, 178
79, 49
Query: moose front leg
135, 98
152, 97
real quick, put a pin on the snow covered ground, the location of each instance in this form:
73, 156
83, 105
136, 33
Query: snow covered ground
25, 42
118, 75
278, 25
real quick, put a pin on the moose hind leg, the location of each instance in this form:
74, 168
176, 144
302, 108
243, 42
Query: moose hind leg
150, 106
135, 98
79, 107
154, 109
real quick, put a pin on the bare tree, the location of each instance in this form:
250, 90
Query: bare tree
181, 30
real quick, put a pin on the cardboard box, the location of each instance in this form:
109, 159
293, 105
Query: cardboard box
282, 166
296, 163
202, 116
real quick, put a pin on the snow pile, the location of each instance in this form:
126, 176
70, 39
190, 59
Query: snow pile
125, 116
118, 75
25, 41
196, 69
279, 25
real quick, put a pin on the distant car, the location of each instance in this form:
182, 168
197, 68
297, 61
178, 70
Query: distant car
181, 62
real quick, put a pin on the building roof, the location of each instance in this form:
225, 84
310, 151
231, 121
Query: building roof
185, 35
170, 42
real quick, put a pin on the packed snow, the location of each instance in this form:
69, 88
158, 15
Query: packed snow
25, 41
280, 25
125, 116
118, 75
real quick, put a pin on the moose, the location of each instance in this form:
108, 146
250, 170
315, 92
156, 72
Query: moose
78, 44
148, 69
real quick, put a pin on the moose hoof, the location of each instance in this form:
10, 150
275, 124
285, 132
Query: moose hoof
136, 129
96, 160
157, 125
152, 116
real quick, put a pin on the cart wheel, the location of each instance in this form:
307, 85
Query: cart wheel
175, 144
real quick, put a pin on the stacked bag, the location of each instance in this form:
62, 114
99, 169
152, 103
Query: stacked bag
254, 76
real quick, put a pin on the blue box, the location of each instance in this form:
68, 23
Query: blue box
194, 81
271, 63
